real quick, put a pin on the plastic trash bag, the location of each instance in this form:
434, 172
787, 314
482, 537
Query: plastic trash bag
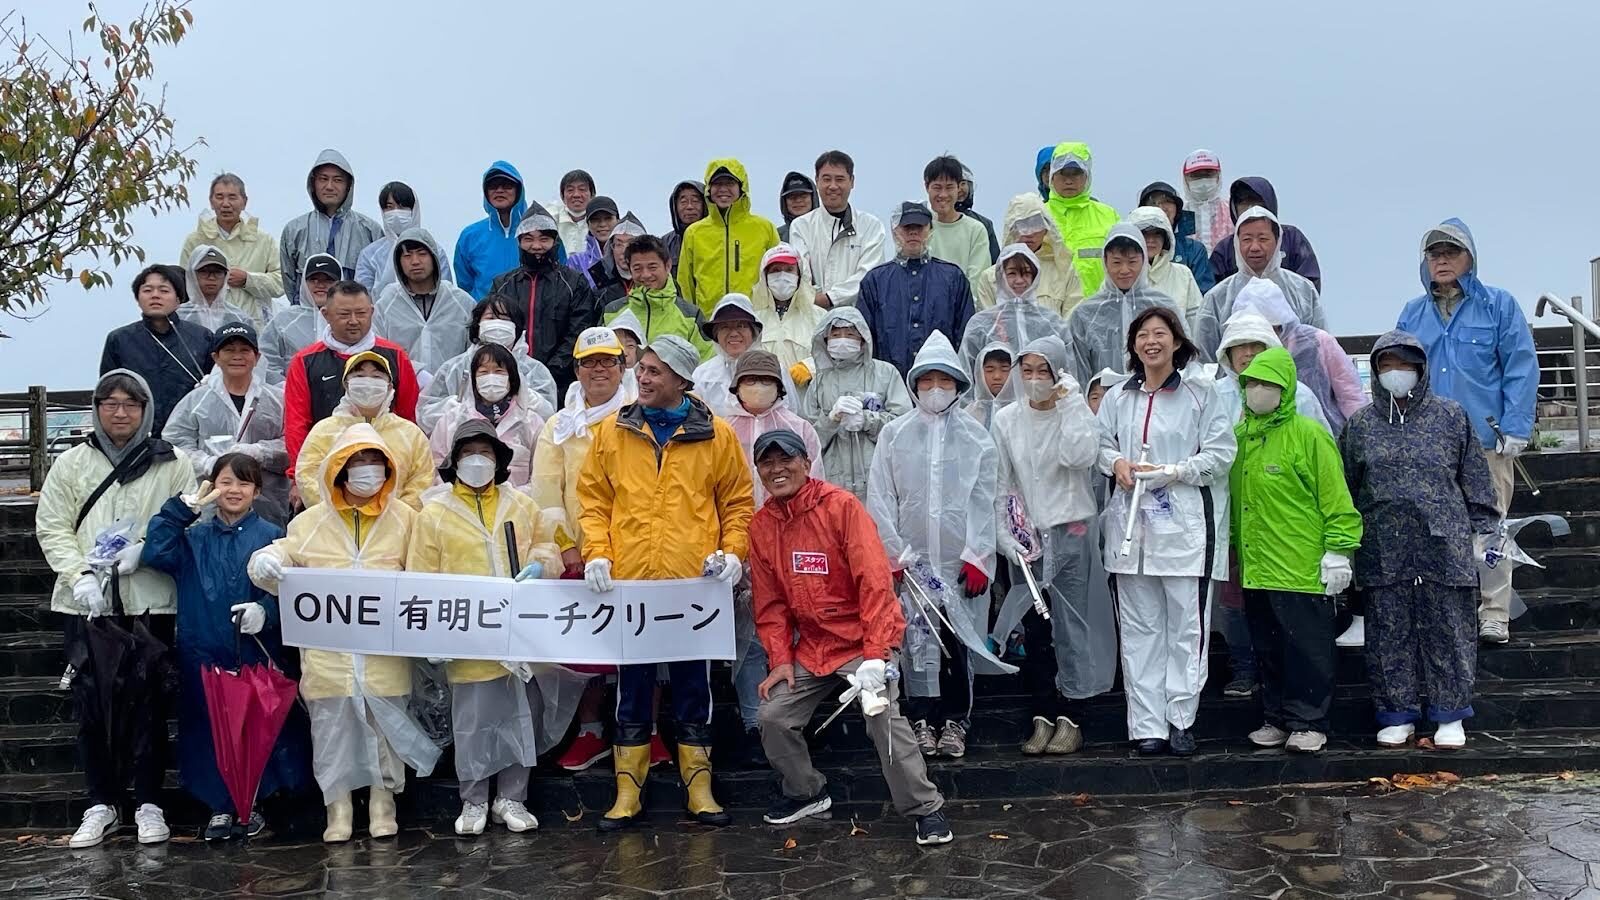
1508, 553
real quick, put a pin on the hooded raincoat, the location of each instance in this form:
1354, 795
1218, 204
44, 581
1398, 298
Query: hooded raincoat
674, 238
816, 202
1213, 217
377, 268
206, 424
1046, 495
1248, 328
518, 428
1167, 274
1290, 503
249, 248
128, 503
1058, 286
1483, 357
1016, 321
1098, 329
228, 306
713, 377
362, 733
931, 490
787, 334
431, 327
343, 235
552, 305
748, 426
721, 252
1294, 248
1324, 368
662, 312
1084, 221
454, 382
291, 330
985, 401
1220, 301
1186, 249
487, 248
847, 455
404, 444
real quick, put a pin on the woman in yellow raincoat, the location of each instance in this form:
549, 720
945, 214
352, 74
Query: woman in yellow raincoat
366, 400
361, 732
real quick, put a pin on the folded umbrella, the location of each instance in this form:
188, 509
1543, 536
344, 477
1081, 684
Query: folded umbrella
247, 708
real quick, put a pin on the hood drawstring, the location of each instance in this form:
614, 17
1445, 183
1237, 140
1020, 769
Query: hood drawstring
1395, 406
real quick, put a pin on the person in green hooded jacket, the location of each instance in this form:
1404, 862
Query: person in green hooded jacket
654, 298
1294, 529
1084, 220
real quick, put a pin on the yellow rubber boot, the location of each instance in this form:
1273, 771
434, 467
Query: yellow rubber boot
694, 765
633, 766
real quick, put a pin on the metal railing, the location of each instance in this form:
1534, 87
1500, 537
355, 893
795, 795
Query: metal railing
44, 424
1582, 328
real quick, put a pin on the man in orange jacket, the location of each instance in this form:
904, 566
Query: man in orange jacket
818, 571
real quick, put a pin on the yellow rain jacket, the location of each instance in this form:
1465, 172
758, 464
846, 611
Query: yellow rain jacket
407, 446
339, 535
658, 511
721, 255
462, 532
1058, 287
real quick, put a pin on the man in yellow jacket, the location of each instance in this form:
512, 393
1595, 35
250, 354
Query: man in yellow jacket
665, 493
722, 252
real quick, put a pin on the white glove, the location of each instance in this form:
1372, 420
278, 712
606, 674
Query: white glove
252, 617
1159, 477
253, 451
128, 558
1336, 573
438, 660
1066, 386
723, 566
872, 704
87, 594
266, 569
522, 670
1009, 547
848, 405
597, 574
203, 496
873, 676
1513, 446
854, 422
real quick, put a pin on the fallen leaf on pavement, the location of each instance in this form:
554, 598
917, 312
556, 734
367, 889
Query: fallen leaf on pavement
999, 836
790, 844
1565, 776
1080, 799
1425, 743
1006, 806
1408, 782
1381, 783
573, 818
856, 829
1235, 802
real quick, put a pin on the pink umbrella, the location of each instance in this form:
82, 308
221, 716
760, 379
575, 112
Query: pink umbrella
247, 710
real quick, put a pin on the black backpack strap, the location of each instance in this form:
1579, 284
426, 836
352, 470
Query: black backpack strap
128, 463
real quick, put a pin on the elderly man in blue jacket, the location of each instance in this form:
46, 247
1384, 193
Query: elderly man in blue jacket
1480, 354
913, 295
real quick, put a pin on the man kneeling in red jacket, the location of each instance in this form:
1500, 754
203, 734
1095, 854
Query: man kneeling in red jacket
818, 571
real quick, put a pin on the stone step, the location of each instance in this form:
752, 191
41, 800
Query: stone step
26, 612
56, 801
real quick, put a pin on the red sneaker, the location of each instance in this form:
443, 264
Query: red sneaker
586, 750
658, 751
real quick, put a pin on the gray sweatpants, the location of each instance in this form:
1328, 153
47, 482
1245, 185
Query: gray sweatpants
786, 713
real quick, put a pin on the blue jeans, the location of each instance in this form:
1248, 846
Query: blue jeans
747, 682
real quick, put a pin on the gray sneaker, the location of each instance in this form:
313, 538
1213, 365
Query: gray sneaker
1494, 632
953, 740
927, 738
1307, 742
1269, 736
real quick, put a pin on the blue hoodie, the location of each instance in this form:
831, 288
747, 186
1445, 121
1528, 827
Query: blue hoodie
1041, 166
1483, 358
486, 248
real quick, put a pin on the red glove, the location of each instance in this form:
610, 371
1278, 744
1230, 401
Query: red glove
572, 573
973, 580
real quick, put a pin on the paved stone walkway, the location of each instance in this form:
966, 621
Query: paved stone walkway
1528, 837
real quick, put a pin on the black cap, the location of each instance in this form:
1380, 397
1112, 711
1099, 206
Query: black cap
601, 204
912, 213
785, 440
235, 331
722, 172
796, 184
212, 257
324, 265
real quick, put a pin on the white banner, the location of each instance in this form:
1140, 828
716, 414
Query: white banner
469, 617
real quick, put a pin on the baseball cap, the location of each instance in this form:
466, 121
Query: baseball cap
789, 443
796, 184
913, 213
601, 204
597, 341
324, 265
210, 258
783, 253
1201, 160
235, 331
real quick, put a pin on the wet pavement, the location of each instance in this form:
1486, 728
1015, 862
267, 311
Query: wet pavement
1533, 837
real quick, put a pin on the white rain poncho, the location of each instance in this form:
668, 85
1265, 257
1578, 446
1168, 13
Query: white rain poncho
1059, 288
433, 340
291, 330
1248, 328
1300, 293
205, 424
1320, 363
1207, 198
1185, 425
984, 401
1015, 320
375, 267
1168, 275
931, 492
1046, 504
1098, 330
713, 377
453, 382
847, 455
211, 315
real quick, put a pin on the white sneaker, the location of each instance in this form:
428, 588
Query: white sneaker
1450, 736
1492, 632
472, 819
152, 824
1269, 735
1307, 742
1355, 635
1396, 735
98, 820
513, 815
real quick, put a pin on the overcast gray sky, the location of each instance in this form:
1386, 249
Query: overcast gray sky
1374, 119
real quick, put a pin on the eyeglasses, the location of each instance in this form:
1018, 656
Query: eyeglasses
1444, 251
599, 362
119, 405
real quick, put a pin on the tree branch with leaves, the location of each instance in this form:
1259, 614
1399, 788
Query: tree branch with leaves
85, 142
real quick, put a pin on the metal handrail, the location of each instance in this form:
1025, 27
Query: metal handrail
1577, 318
1582, 328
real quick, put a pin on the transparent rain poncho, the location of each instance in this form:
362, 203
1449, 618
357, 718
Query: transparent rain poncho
452, 382
1016, 319
1046, 501
1508, 553
205, 425
931, 492
291, 330
211, 316
984, 402
847, 455
1097, 333
1219, 302
433, 341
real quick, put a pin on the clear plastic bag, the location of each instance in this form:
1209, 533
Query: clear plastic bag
1506, 551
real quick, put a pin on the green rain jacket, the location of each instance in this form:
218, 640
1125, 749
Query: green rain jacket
1290, 503
1083, 220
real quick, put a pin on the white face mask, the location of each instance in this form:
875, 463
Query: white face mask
935, 400
398, 220
1398, 382
493, 387
842, 348
475, 471
1204, 187
364, 481
783, 284
758, 396
1038, 389
367, 391
1261, 397
497, 331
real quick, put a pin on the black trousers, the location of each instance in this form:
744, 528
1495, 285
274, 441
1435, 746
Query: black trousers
1039, 666
954, 702
104, 768
1293, 638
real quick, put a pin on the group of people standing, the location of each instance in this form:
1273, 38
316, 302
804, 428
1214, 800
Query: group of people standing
917, 454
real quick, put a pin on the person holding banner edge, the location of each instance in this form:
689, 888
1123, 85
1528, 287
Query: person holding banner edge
666, 494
